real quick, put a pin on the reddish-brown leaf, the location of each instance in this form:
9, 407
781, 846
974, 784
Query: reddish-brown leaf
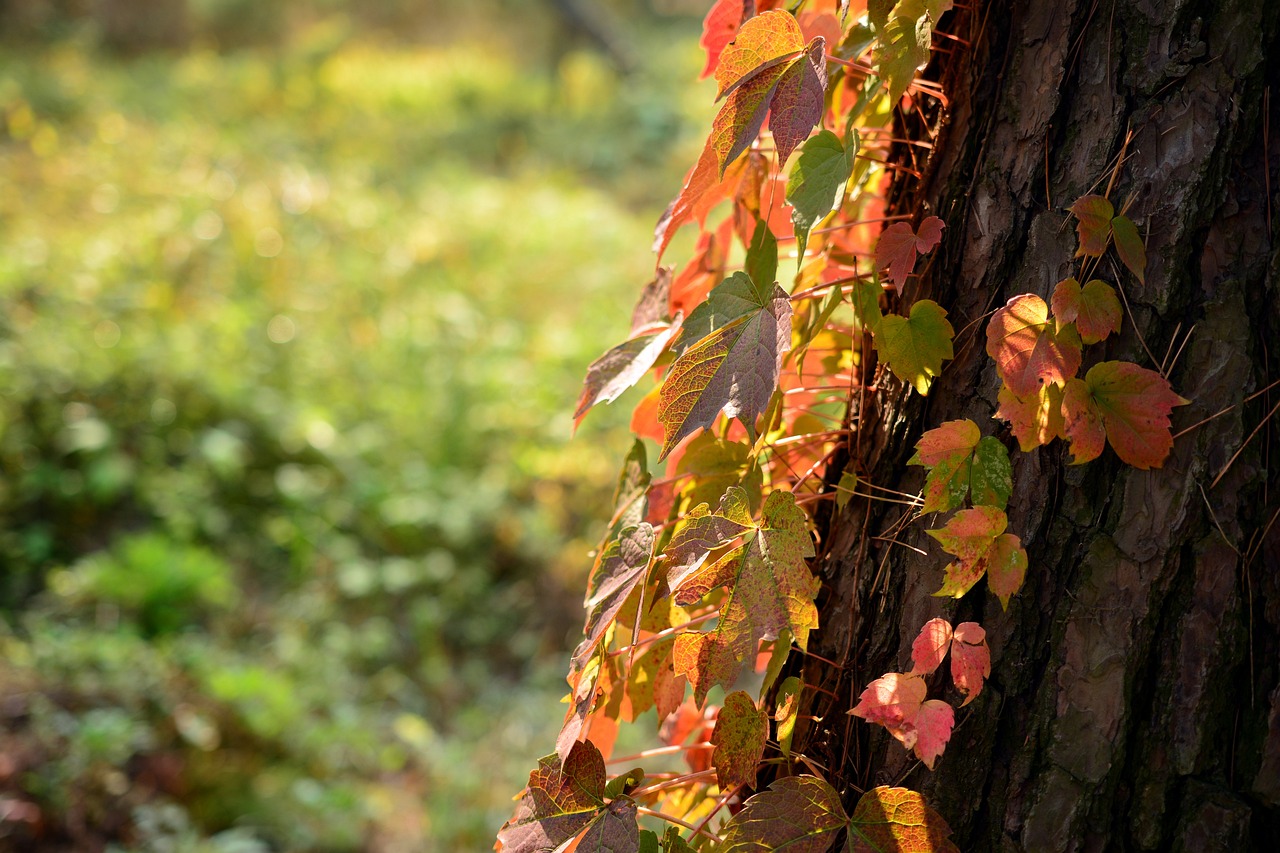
970, 659
899, 245
797, 102
621, 367
897, 820
930, 647
560, 801
1093, 224
762, 43
1006, 567
1131, 403
1094, 308
933, 729
718, 29
739, 121
652, 308
798, 814
1129, 247
1027, 350
739, 736
1035, 420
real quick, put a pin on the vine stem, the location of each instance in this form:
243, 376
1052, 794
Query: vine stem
724, 798
659, 750
663, 634
673, 783
697, 830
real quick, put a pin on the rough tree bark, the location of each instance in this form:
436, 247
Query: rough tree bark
1134, 702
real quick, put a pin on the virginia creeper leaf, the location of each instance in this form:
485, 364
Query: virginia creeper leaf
1093, 224
1129, 247
915, 348
798, 100
652, 309
959, 461
771, 590
817, 182
798, 814
785, 715
560, 801
700, 532
718, 29
930, 646
977, 539
899, 245
762, 255
622, 565
734, 369
760, 44
1035, 420
621, 367
1130, 403
892, 700
1006, 567
1027, 350
897, 820
740, 119
970, 659
1094, 308
933, 730
739, 736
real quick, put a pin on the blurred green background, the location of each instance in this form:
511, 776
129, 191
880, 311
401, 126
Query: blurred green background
296, 301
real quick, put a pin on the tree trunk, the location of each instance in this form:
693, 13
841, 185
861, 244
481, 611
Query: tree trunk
1134, 702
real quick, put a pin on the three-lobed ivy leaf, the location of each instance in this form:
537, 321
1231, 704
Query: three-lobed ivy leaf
1035, 419
817, 182
1093, 308
734, 368
1127, 405
739, 737
898, 246
1027, 349
771, 590
804, 814
914, 347
976, 538
960, 461
566, 799
896, 701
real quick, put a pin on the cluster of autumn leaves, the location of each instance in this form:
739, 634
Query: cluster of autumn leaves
703, 575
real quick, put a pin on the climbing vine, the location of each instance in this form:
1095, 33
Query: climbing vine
804, 299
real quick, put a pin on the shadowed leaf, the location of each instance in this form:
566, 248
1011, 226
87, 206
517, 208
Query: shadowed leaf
739, 736
898, 246
897, 820
970, 659
798, 814
1035, 420
930, 646
1094, 308
1093, 224
1129, 247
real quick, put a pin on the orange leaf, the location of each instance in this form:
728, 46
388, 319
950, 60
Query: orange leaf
1095, 308
1035, 420
897, 819
1093, 214
718, 29
761, 43
977, 539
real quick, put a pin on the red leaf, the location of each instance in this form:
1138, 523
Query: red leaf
977, 539
798, 101
1095, 308
898, 246
1093, 214
1027, 350
933, 730
739, 121
970, 659
930, 647
762, 43
718, 29
740, 734
1132, 404
1006, 567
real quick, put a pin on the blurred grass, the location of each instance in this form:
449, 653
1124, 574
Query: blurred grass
291, 529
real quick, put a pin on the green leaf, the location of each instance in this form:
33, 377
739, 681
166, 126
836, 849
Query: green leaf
771, 590
734, 369
1129, 247
626, 783
672, 842
866, 303
915, 347
739, 737
817, 182
903, 45
762, 255
961, 461
649, 842
844, 490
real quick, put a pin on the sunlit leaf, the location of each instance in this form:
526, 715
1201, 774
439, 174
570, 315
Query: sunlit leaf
621, 367
915, 347
930, 646
760, 44
560, 801
1035, 420
817, 182
718, 29
897, 820
787, 709
739, 121
970, 659
797, 102
893, 700
976, 538
761, 263
1028, 351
